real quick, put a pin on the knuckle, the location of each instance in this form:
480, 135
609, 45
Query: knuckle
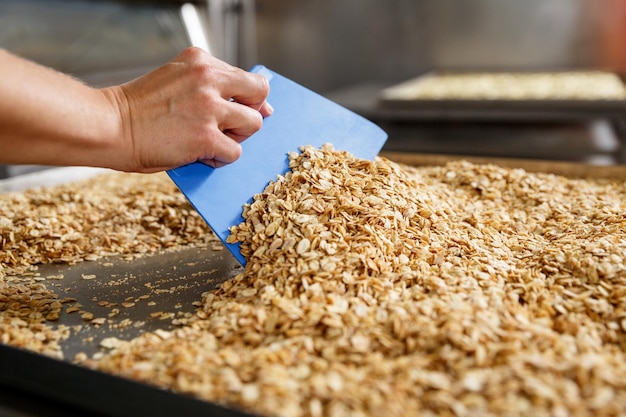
256, 121
207, 99
204, 73
264, 84
192, 53
236, 153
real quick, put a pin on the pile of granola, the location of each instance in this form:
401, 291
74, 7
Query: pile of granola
377, 289
373, 288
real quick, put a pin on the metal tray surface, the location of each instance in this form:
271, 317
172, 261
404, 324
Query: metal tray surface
161, 286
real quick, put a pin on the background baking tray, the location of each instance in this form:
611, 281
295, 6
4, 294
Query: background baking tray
168, 282
486, 109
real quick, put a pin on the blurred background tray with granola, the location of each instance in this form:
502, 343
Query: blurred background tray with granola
538, 95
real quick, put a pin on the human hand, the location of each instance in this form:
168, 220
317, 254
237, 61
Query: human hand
194, 108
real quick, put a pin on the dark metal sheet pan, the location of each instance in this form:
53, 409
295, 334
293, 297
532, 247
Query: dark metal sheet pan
161, 286
482, 109
78, 391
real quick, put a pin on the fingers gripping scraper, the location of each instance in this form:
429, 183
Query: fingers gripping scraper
301, 117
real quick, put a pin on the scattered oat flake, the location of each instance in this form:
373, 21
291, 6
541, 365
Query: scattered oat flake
112, 342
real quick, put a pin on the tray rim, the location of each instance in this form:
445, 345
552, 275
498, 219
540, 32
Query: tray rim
63, 383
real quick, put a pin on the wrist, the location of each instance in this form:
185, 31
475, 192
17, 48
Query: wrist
116, 130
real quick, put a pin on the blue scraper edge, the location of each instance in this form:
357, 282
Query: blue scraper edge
301, 117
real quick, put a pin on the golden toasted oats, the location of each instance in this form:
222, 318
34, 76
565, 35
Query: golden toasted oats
128, 214
378, 289
373, 288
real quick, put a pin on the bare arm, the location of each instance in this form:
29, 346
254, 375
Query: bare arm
195, 107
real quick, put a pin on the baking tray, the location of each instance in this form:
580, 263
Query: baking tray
173, 280
71, 391
160, 287
490, 109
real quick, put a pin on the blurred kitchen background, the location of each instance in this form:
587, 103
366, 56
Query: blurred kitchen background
348, 50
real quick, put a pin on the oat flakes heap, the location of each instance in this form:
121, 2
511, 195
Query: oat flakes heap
117, 214
374, 289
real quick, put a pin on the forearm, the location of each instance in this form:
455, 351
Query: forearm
193, 108
50, 118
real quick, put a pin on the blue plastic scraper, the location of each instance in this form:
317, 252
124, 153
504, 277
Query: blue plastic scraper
301, 117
